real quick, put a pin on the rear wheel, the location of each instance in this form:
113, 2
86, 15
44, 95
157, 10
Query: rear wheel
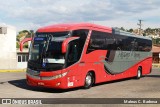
139, 73
89, 80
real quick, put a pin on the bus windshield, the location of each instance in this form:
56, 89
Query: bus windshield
46, 47
46, 50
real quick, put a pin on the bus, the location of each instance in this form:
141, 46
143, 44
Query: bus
65, 56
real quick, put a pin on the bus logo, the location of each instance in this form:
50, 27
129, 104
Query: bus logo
44, 64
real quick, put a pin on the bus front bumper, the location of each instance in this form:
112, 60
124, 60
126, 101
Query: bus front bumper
39, 82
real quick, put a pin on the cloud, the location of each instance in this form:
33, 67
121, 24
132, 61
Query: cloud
30, 13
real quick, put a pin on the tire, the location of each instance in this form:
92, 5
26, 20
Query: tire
89, 80
139, 73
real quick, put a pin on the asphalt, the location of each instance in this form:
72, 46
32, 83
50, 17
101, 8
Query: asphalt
13, 85
155, 66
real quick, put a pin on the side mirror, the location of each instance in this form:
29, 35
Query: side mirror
24, 41
66, 42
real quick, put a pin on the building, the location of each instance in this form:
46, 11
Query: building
8, 55
22, 58
156, 54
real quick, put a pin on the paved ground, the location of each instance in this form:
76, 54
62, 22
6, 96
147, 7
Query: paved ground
13, 85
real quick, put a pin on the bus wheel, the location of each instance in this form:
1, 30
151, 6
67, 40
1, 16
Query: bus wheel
89, 80
139, 73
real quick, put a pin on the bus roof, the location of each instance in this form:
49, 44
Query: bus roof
71, 26
74, 26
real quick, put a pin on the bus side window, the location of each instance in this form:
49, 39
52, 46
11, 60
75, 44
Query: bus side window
73, 53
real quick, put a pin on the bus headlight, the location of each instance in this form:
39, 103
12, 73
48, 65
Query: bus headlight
54, 77
59, 75
64, 74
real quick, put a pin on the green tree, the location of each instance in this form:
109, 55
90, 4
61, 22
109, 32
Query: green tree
130, 30
17, 45
24, 34
122, 29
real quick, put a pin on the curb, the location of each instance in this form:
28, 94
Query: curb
156, 65
13, 70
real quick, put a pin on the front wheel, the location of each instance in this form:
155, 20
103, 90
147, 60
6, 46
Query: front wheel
139, 73
89, 80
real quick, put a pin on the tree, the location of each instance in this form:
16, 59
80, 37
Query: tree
144, 34
130, 30
122, 29
24, 31
17, 45
24, 34
149, 31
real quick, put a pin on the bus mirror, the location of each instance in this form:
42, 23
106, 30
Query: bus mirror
24, 41
66, 42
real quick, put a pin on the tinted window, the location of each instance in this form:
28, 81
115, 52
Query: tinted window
82, 33
101, 41
75, 47
127, 43
107, 41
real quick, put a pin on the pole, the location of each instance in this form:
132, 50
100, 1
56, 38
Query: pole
140, 26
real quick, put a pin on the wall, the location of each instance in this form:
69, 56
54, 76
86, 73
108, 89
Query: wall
22, 58
8, 59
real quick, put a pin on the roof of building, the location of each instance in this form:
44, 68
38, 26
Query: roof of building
25, 50
156, 49
8, 26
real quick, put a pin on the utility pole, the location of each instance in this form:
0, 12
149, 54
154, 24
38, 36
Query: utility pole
140, 26
32, 33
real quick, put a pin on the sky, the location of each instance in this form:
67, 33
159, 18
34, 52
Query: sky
33, 14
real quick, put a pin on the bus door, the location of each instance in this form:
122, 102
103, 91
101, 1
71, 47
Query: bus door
72, 58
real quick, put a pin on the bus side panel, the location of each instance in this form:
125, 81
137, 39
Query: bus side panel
147, 66
93, 63
75, 76
87, 67
130, 72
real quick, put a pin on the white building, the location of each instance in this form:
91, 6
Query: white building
22, 58
8, 55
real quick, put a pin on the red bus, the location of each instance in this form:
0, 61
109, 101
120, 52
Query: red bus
65, 56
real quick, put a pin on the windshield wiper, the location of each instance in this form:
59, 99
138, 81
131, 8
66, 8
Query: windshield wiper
44, 50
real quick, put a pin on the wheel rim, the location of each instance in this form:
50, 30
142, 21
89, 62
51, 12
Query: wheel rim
139, 73
88, 80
